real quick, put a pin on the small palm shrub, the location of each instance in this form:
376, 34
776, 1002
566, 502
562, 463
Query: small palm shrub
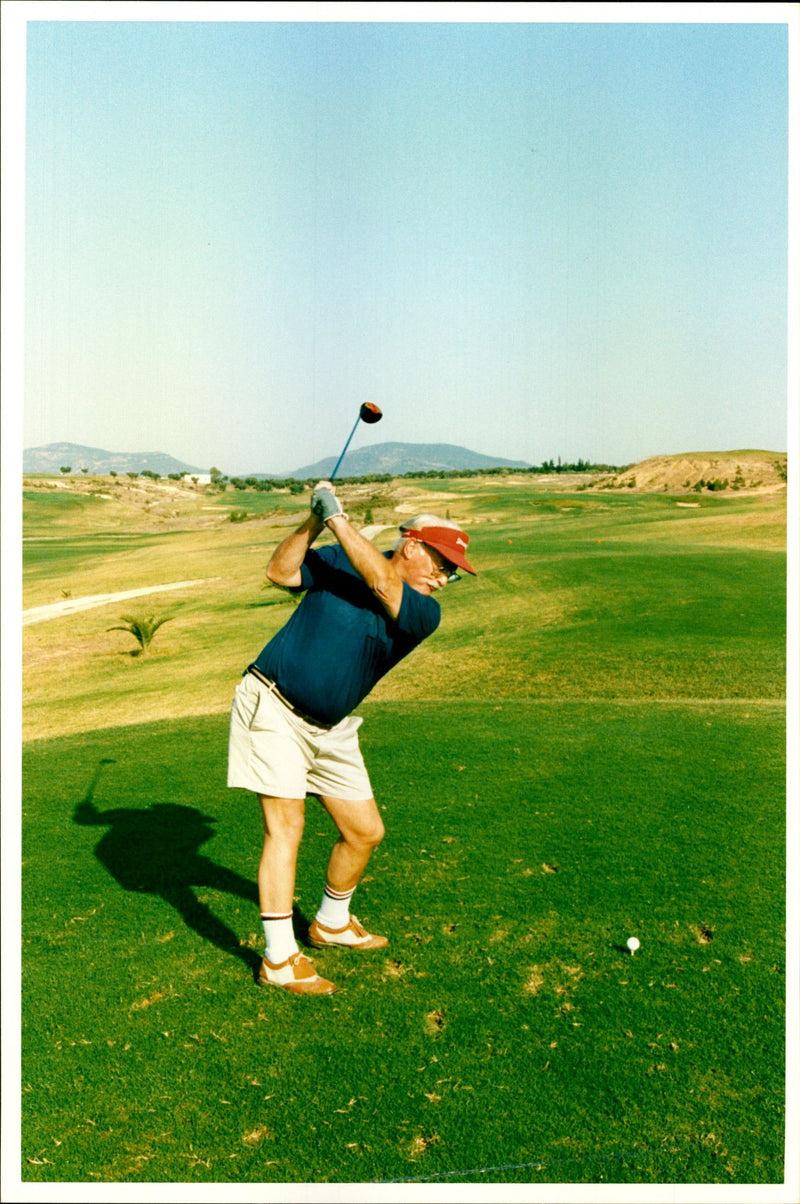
142, 629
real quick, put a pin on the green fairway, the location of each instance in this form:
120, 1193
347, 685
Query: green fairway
591, 747
578, 596
506, 1032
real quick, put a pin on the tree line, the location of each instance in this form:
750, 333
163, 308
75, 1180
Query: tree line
265, 484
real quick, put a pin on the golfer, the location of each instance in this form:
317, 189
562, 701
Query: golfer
292, 732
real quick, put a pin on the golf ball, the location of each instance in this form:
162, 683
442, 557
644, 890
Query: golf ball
632, 943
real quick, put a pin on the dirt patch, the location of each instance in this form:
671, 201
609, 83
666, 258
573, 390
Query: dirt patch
736, 471
55, 610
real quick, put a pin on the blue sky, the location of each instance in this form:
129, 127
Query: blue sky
533, 239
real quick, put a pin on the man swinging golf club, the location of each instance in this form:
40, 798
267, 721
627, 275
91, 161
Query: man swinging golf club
292, 732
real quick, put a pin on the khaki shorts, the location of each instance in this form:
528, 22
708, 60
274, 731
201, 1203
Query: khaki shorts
274, 752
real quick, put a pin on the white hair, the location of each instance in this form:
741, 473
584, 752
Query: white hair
424, 520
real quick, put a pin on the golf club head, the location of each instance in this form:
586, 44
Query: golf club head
370, 412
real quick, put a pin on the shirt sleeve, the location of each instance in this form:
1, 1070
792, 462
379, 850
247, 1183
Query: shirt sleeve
419, 614
314, 568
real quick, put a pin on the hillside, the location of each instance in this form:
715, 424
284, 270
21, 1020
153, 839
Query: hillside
395, 459
53, 456
696, 471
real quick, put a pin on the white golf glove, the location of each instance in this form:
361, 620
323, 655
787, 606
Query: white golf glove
325, 504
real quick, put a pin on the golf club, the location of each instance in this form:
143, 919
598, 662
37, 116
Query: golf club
368, 413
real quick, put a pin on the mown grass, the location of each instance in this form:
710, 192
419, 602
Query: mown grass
505, 1032
576, 602
591, 747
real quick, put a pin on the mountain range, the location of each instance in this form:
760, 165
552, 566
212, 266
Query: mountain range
55, 456
390, 458
395, 459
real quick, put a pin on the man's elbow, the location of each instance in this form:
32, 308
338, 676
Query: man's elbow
278, 577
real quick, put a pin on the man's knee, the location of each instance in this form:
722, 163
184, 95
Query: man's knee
377, 832
365, 831
359, 824
284, 820
370, 832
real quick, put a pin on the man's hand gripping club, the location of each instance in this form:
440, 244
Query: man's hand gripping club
379, 573
324, 502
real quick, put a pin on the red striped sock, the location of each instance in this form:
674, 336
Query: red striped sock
334, 910
278, 936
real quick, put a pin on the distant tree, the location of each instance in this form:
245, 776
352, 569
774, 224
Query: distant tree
112, 473
84, 470
65, 468
132, 475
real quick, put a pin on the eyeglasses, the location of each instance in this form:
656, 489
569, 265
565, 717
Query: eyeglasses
442, 566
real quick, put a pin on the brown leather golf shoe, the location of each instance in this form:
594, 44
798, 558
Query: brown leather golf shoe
353, 936
296, 974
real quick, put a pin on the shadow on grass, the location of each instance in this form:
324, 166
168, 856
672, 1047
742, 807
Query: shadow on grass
155, 850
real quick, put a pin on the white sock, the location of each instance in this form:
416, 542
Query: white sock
334, 910
279, 937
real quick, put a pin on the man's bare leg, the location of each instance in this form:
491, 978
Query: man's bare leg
283, 830
283, 965
360, 830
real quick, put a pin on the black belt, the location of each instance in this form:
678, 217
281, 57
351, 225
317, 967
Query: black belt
265, 681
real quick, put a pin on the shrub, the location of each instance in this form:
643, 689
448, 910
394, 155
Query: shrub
142, 629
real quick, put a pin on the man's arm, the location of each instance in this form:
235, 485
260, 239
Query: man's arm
286, 561
379, 573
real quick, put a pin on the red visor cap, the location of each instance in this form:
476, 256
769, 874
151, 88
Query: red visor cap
451, 542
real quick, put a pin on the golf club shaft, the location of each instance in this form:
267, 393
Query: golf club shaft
344, 449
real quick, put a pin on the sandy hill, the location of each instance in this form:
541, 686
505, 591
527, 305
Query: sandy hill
761, 471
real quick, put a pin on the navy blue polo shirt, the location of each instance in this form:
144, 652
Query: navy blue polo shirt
340, 641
